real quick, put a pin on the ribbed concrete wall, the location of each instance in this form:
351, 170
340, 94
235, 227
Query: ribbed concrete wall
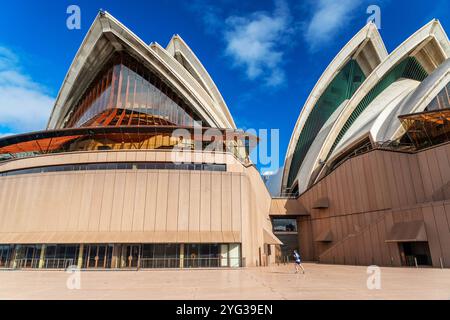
134, 206
366, 188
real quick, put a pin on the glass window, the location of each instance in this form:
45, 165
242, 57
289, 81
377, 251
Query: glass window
284, 225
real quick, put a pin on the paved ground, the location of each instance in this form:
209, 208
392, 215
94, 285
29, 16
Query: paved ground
320, 282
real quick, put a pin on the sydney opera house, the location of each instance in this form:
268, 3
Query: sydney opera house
141, 164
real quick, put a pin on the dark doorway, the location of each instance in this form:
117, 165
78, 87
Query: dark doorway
412, 251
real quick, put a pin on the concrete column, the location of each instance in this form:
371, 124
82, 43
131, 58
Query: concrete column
42, 256
181, 255
80, 256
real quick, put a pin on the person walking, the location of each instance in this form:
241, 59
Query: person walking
298, 262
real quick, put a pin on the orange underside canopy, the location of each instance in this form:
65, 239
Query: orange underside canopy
45, 145
125, 137
123, 117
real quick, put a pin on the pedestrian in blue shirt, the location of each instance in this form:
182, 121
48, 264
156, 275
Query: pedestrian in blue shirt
298, 262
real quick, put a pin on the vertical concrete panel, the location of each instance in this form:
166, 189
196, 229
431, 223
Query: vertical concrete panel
236, 202
107, 201
216, 201
173, 201
21, 213
390, 178
12, 218
407, 179
444, 169
118, 199
371, 192
151, 200
442, 233
384, 250
140, 199
344, 226
362, 185
226, 202
205, 203
183, 204
417, 181
361, 251
416, 213
368, 247
50, 199
426, 176
55, 199
447, 213
96, 201
375, 192
344, 189
162, 199
436, 178
128, 203
64, 217
432, 234
246, 233
398, 177
350, 225
3, 197
194, 201
383, 183
353, 194
39, 221
331, 196
375, 243
74, 207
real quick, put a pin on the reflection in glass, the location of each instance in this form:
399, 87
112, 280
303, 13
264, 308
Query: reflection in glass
126, 93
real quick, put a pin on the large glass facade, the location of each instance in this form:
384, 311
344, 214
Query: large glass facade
60, 256
127, 93
114, 256
441, 101
160, 256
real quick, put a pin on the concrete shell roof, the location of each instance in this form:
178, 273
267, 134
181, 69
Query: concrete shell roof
370, 120
178, 48
107, 34
432, 30
366, 34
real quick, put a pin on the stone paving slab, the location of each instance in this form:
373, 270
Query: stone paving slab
278, 282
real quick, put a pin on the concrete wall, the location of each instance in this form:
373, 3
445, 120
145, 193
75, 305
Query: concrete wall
369, 246
369, 192
134, 206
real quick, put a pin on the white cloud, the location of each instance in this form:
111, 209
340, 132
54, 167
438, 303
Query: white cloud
256, 42
328, 18
24, 104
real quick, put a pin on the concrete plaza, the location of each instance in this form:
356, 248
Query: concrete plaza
280, 282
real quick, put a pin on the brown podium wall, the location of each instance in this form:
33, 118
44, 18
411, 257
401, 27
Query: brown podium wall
120, 206
364, 192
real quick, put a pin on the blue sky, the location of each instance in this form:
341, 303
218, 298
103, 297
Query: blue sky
265, 56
